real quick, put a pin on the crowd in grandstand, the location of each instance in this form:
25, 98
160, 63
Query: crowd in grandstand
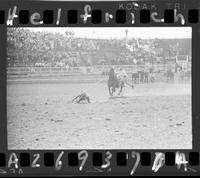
44, 49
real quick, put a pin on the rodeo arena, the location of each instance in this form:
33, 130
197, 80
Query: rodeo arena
70, 92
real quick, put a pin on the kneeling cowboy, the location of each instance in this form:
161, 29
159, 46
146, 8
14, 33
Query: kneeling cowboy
81, 97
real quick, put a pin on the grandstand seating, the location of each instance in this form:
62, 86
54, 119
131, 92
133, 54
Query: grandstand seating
26, 48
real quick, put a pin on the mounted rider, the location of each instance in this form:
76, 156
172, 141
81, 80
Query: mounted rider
113, 81
117, 79
121, 76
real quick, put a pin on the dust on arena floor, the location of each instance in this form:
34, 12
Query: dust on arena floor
150, 116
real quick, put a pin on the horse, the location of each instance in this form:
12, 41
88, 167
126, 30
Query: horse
185, 75
152, 77
169, 75
114, 82
140, 77
135, 77
146, 77
143, 76
120, 85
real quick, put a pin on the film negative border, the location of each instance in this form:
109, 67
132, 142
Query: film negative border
170, 16
100, 162
125, 13
112, 14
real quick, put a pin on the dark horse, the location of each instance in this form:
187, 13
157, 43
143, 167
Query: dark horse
114, 82
169, 75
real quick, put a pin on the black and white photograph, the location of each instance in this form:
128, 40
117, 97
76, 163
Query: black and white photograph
99, 88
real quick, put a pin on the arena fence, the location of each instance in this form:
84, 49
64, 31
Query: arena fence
97, 69
89, 74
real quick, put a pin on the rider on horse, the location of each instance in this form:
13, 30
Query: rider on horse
122, 76
113, 81
117, 79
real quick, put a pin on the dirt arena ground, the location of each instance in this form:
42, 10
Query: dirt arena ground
150, 116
